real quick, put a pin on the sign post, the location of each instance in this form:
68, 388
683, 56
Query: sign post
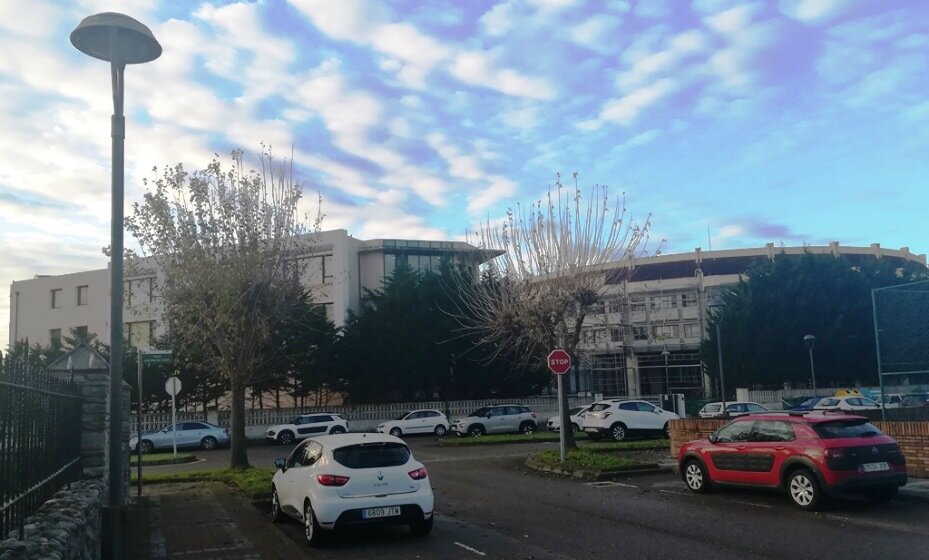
173, 387
149, 357
559, 362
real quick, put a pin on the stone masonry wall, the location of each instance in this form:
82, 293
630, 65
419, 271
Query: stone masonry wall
913, 438
66, 527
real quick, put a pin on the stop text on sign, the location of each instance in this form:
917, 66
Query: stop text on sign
559, 361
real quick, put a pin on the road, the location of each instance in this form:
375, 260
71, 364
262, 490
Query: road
490, 506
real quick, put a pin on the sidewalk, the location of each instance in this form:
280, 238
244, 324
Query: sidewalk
916, 488
203, 521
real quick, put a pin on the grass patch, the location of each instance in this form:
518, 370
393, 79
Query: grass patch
496, 439
253, 482
586, 459
162, 458
640, 445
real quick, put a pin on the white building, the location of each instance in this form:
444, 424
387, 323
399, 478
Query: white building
337, 269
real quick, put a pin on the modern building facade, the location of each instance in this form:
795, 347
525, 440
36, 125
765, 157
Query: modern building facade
334, 266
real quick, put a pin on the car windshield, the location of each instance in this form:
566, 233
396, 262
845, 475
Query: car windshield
372, 455
480, 412
574, 411
810, 402
712, 407
296, 420
402, 416
846, 429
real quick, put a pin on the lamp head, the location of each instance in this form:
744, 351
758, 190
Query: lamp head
115, 37
810, 341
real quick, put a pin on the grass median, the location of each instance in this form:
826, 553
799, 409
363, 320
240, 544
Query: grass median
152, 459
587, 460
253, 482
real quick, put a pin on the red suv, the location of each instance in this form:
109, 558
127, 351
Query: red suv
806, 454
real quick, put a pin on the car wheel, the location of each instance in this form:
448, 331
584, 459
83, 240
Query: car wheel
286, 438
422, 528
147, 446
440, 430
476, 431
209, 442
881, 495
396, 432
803, 489
337, 430
527, 428
618, 431
695, 476
575, 427
311, 528
276, 515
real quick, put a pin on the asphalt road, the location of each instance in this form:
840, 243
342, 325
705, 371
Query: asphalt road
490, 506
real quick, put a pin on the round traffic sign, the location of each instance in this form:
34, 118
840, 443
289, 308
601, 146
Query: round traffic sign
559, 361
173, 386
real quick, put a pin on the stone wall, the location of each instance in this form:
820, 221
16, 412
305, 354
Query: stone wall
66, 527
913, 438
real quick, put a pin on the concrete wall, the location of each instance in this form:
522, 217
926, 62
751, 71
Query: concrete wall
32, 315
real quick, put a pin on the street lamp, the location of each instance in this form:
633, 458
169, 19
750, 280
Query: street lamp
810, 341
667, 378
719, 304
119, 40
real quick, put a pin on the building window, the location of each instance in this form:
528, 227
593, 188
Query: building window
390, 263
666, 331
616, 334
82, 295
639, 333
664, 302
691, 330
593, 336
54, 337
56, 300
81, 332
614, 304
688, 300
637, 305
139, 333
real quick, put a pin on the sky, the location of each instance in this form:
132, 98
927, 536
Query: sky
733, 123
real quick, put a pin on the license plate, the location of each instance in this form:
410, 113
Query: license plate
875, 467
374, 513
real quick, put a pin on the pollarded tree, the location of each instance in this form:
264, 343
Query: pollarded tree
535, 295
225, 239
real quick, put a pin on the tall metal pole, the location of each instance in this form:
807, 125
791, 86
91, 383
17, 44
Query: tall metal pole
174, 422
667, 378
118, 133
877, 347
722, 377
564, 427
813, 371
138, 429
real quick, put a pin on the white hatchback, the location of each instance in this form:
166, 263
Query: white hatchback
416, 422
846, 403
337, 481
620, 418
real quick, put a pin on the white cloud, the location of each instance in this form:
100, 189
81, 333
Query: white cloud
596, 33
498, 189
813, 11
625, 109
525, 118
479, 68
499, 20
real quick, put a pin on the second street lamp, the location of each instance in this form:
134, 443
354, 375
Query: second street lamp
667, 378
717, 303
810, 341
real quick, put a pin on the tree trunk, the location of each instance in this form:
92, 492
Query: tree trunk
238, 456
569, 442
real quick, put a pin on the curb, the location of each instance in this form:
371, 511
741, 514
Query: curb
585, 474
162, 462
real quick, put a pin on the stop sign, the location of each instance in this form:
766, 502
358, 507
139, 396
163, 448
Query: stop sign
559, 361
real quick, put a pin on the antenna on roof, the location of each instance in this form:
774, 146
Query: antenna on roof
709, 240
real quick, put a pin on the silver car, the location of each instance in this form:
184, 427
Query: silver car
189, 434
496, 419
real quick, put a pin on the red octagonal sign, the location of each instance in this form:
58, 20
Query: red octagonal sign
559, 361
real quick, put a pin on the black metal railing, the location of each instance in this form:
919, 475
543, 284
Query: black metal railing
40, 441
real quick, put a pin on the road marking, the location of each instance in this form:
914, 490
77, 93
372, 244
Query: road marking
752, 504
469, 549
678, 493
624, 485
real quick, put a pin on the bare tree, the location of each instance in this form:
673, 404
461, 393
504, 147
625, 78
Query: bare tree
224, 240
535, 295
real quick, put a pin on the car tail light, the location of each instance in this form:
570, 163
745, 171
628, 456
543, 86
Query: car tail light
331, 479
419, 474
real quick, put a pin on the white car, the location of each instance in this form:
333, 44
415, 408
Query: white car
416, 422
307, 425
577, 419
331, 482
846, 403
733, 409
621, 418
891, 400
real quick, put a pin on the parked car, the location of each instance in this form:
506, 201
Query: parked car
915, 400
335, 481
808, 455
307, 425
890, 400
496, 419
846, 403
189, 434
621, 418
807, 404
577, 419
416, 422
737, 408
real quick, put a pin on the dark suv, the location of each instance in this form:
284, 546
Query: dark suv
806, 455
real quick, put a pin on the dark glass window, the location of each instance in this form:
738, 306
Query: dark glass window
372, 455
772, 430
737, 431
845, 429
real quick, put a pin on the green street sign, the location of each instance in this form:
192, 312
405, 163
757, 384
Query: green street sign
156, 357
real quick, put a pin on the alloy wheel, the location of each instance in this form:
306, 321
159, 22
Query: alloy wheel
694, 476
801, 490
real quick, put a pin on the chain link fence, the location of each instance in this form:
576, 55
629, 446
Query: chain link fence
901, 334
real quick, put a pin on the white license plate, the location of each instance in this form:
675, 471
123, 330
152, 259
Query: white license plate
875, 467
374, 513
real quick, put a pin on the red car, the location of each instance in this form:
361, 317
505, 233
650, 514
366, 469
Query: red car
807, 454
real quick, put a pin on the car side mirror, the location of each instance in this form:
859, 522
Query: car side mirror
713, 438
281, 464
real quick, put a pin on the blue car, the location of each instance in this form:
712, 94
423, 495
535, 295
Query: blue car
189, 434
807, 404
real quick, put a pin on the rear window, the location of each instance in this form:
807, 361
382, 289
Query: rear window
845, 429
372, 455
599, 406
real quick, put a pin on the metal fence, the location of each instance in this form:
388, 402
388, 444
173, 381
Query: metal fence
40, 441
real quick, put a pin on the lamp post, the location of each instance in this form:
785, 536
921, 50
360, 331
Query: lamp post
810, 341
119, 40
667, 378
719, 304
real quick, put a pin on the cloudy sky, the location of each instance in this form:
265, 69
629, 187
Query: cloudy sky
734, 123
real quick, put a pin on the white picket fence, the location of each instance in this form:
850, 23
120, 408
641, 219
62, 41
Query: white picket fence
362, 417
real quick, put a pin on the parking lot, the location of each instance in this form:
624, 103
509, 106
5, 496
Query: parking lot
490, 506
